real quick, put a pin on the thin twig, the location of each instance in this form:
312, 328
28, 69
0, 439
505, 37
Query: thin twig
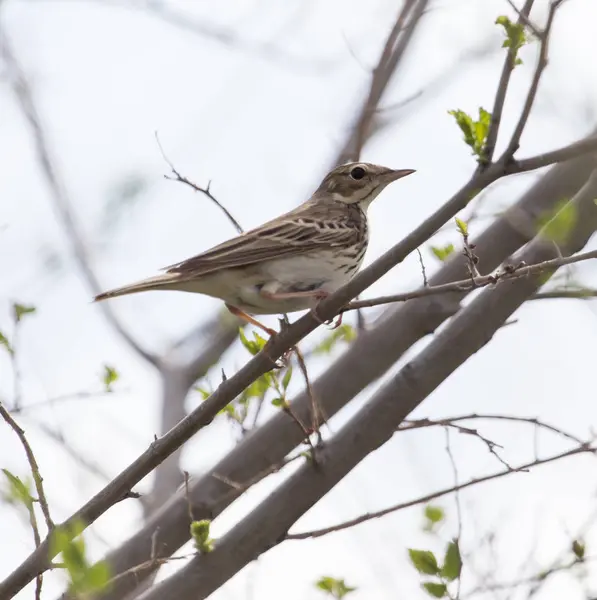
524, 18
37, 478
585, 448
544, 38
500, 96
423, 271
205, 191
476, 282
391, 55
456, 499
316, 416
408, 424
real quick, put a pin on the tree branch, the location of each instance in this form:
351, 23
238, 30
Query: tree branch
500, 97
478, 282
37, 478
315, 533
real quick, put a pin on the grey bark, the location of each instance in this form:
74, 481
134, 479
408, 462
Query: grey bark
367, 359
469, 331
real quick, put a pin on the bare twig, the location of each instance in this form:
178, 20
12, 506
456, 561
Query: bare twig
408, 424
423, 271
61, 201
456, 499
37, 478
476, 282
391, 55
316, 416
206, 191
585, 448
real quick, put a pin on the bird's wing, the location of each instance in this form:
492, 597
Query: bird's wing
289, 235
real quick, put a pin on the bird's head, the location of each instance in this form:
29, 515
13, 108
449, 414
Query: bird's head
358, 183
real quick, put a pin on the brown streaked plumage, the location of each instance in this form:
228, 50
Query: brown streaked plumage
291, 262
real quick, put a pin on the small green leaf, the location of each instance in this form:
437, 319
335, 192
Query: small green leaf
515, 34
97, 576
434, 514
205, 394
336, 588
462, 226
424, 561
474, 132
437, 590
344, 333
109, 377
18, 491
200, 534
452, 562
286, 379
4, 342
442, 252
557, 224
578, 548
279, 402
248, 344
20, 310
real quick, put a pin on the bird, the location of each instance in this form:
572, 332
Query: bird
291, 262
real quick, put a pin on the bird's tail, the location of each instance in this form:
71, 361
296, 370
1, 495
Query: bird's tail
167, 281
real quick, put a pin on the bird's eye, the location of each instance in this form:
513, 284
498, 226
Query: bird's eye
357, 173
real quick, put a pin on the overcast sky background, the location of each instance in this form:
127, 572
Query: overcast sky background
263, 126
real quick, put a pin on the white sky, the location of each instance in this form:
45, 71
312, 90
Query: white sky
264, 130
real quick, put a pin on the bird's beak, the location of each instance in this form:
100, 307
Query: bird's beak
393, 175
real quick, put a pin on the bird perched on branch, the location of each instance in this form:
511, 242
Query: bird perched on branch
291, 262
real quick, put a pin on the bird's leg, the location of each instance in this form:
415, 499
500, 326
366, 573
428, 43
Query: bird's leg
249, 319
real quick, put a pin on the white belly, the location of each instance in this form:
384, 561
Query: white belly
241, 287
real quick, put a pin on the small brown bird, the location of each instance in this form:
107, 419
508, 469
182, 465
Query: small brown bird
292, 262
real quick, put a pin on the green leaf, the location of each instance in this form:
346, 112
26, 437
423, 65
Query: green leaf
205, 393
424, 561
452, 562
557, 224
279, 402
437, 590
286, 379
248, 344
84, 579
462, 227
344, 333
434, 514
200, 534
515, 34
578, 548
4, 342
18, 491
474, 132
336, 588
443, 252
97, 576
253, 346
20, 310
109, 377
